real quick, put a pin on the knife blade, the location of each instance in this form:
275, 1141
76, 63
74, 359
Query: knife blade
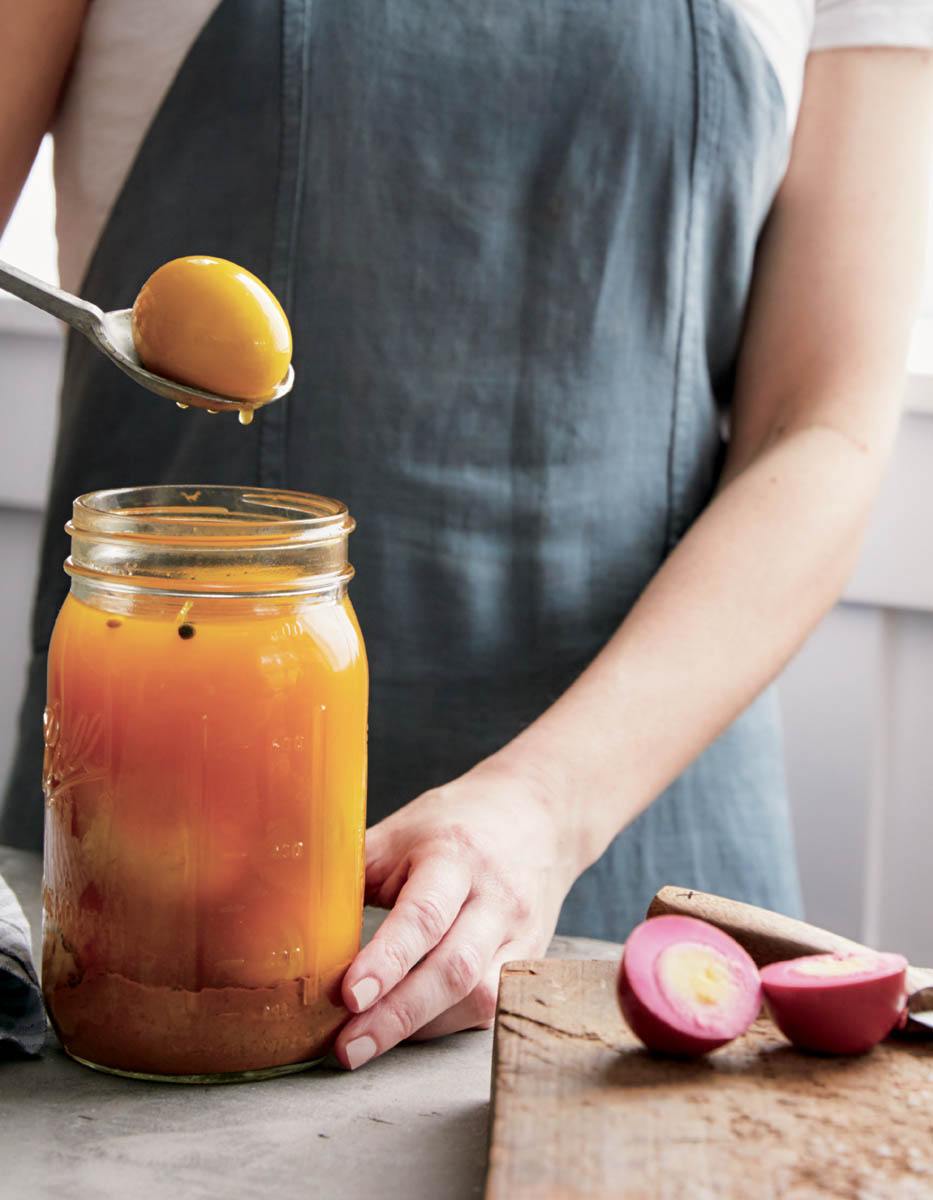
771, 937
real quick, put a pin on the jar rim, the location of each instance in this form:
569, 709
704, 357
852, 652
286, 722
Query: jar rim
212, 539
214, 512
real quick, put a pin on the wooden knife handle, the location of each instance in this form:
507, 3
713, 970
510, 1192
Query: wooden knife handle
767, 936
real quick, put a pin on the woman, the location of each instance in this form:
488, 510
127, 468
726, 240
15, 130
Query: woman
536, 263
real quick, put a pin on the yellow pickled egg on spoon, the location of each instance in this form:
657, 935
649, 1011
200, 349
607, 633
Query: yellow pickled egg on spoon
212, 325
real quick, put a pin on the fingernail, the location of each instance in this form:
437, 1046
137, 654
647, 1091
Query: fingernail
360, 1051
365, 992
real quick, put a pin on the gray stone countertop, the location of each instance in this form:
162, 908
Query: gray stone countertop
411, 1124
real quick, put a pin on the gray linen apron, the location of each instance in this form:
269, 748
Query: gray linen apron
515, 242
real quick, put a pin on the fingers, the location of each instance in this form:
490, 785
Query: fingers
387, 866
458, 973
475, 1011
427, 906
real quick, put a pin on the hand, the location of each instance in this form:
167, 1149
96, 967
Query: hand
475, 873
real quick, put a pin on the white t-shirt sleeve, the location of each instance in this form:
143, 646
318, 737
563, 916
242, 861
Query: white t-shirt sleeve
839, 23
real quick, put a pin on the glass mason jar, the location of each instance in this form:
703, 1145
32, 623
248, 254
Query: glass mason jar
205, 777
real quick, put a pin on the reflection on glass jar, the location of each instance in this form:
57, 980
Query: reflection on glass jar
205, 776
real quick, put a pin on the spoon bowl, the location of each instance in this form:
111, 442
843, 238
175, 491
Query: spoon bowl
112, 334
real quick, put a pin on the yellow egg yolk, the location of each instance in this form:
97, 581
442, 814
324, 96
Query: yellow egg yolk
210, 324
827, 968
694, 977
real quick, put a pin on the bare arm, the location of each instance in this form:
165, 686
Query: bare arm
36, 48
817, 403
478, 869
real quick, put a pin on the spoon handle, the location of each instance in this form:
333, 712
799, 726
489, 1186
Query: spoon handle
74, 311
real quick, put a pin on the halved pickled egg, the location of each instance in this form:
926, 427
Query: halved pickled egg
686, 987
837, 1003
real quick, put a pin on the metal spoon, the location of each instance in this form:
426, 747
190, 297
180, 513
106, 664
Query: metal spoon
111, 334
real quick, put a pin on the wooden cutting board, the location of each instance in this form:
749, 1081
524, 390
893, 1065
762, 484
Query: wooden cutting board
580, 1108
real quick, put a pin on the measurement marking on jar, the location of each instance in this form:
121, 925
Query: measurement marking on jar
292, 850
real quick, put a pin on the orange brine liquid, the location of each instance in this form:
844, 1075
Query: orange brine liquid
205, 793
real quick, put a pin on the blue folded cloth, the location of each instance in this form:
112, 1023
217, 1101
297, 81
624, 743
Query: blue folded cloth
22, 1016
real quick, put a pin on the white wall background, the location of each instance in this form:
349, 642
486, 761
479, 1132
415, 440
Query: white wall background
858, 699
